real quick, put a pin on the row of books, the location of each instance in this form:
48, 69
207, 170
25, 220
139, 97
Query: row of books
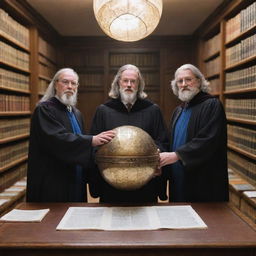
244, 20
237, 185
9, 103
91, 79
42, 86
241, 79
13, 56
241, 51
46, 49
215, 85
46, 62
13, 29
242, 195
242, 138
14, 127
13, 175
248, 204
12, 152
46, 71
212, 46
241, 108
96, 79
87, 59
12, 195
13, 80
137, 59
213, 67
243, 166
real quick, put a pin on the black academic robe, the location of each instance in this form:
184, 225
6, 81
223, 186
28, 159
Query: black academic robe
145, 115
54, 153
204, 155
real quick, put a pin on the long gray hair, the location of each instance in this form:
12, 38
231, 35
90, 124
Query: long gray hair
204, 84
50, 91
114, 91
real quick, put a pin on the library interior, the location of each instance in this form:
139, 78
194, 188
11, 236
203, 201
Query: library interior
40, 37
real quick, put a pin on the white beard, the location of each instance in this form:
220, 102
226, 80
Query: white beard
188, 95
128, 97
69, 100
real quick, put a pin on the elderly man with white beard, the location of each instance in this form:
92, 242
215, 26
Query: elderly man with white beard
59, 151
128, 106
198, 150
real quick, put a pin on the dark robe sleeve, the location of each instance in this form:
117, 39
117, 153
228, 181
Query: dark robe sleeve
94, 176
160, 136
205, 134
159, 130
98, 121
57, 140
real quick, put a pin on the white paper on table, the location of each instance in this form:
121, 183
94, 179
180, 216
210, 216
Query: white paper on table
131, 218
25, 215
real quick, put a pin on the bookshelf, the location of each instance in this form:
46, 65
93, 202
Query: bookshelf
235, 33
14, 105
97, 67
212, 60
27, 64
47, 61
89, 63
240, 89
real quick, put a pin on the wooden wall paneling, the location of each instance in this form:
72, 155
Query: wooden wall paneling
171, 51
107, 79
87, 103
178, 52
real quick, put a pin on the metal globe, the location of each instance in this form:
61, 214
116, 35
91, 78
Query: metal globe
129, 160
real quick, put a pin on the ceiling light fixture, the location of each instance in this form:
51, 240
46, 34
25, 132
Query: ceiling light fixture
128, 20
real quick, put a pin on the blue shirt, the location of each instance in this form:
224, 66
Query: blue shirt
78, 187
177, 173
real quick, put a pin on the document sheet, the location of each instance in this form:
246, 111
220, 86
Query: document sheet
25, 215
131, 218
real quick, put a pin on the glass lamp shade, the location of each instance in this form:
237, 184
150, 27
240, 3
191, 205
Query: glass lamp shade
128, 20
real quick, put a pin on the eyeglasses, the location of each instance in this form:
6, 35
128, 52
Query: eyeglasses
132, 81
66, 82
187, 80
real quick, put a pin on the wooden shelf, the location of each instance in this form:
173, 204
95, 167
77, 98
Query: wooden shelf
13, 41
14, 90
14, 163
240, 91
241, 63
212, 56
14, 67
45, 78
238, 38
12, 201
243, 121
16, 113
47, 58
212, 76
241, 151
14, 138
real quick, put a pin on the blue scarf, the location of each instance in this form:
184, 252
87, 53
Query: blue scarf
78, 187
180, 136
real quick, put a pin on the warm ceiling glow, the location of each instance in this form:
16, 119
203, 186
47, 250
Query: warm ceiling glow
128, 20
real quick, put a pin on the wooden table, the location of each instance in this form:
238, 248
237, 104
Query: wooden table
227, 234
